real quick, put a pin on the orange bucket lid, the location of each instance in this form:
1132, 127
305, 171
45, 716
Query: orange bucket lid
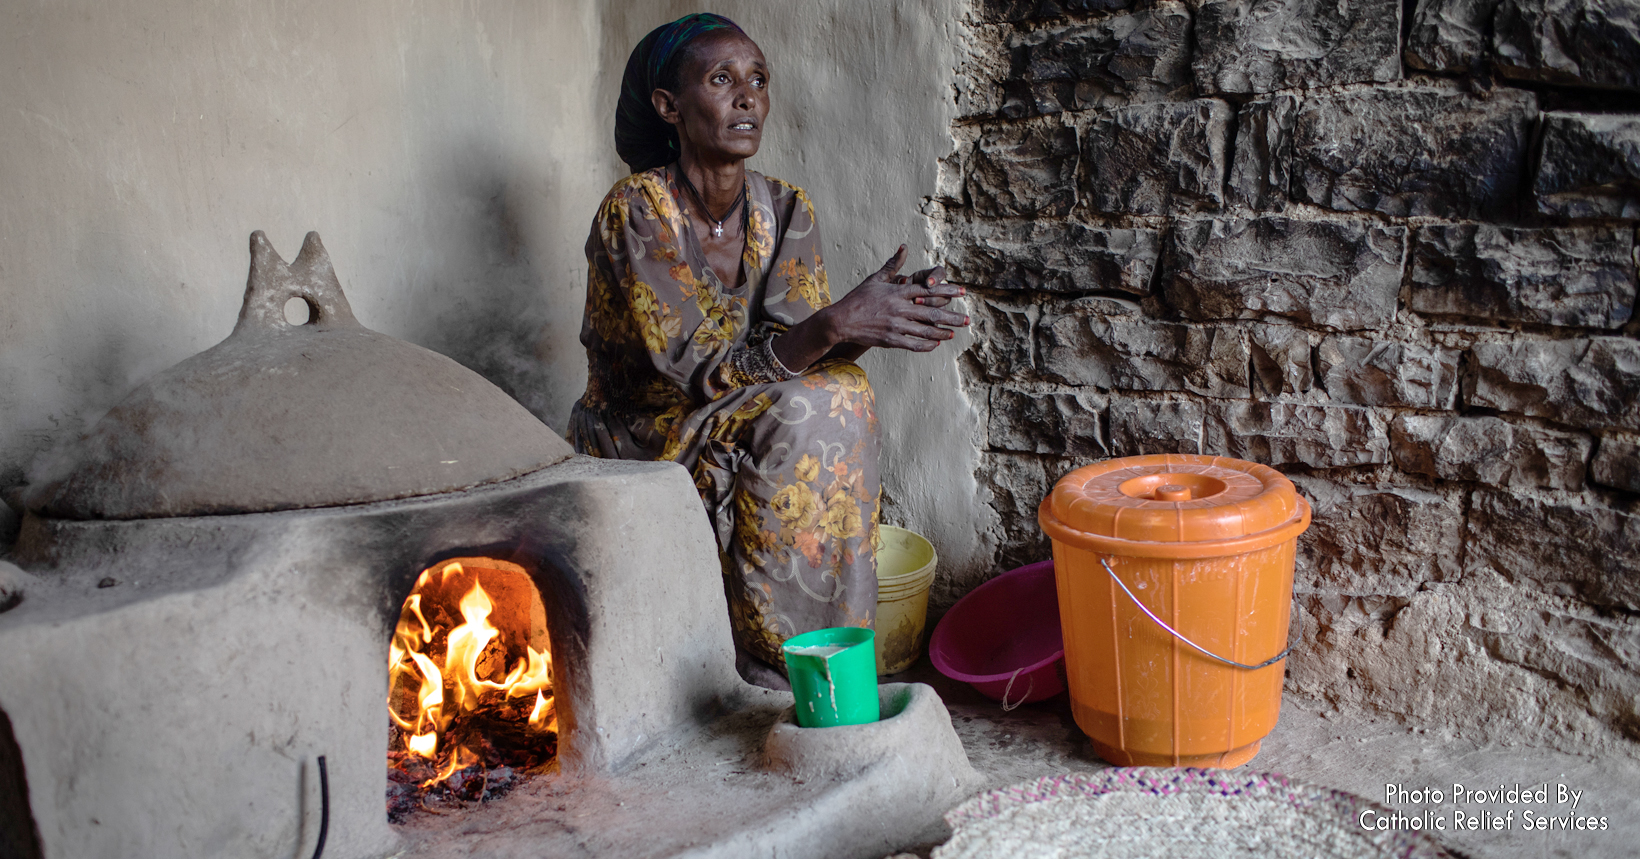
1174, 506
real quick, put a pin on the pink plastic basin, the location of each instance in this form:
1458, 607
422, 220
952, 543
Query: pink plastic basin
1006, 629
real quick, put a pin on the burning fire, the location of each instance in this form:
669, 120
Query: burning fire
454, 688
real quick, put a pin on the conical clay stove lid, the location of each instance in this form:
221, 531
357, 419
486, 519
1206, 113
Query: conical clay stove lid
281, 416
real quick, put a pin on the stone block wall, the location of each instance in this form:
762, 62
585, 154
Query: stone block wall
1387, 248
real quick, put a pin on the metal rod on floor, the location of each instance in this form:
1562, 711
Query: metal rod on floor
324, 808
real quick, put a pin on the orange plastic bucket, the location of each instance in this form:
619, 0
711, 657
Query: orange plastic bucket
1202, 545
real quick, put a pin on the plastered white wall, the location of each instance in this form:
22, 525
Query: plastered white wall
442, 149
451, 154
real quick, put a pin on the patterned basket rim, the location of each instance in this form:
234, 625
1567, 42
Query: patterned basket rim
1170, 781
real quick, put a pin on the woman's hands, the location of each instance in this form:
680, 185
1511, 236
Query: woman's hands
897, 312
886, 309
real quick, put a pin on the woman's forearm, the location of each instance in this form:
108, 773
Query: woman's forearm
846, 352
801, 345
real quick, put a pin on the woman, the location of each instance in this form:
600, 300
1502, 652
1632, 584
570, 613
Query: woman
712, 341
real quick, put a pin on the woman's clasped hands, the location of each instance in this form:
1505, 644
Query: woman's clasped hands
887, 310
898, 312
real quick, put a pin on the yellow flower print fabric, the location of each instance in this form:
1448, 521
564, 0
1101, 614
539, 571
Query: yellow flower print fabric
787, 469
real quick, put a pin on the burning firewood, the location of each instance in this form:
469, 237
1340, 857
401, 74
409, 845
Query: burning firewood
471, 705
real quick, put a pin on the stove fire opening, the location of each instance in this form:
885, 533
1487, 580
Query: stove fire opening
469, 688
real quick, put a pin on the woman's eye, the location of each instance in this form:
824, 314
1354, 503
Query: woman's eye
759, 83
720, 78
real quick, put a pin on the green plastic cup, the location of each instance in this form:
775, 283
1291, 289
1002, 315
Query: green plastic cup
834, 676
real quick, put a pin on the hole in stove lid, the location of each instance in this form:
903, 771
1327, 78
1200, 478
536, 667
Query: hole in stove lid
470, 691
298, 311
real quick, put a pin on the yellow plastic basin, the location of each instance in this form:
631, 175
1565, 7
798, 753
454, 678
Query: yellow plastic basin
905, 569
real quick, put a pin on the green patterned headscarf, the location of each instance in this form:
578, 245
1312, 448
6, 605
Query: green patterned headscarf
642, 138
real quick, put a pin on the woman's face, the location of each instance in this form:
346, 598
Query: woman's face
721, 100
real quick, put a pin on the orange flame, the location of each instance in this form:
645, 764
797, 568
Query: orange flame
450, 683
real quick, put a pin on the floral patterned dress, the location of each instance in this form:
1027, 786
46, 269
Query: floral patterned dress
787, 469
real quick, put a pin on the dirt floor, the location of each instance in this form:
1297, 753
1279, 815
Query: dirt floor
714, 798
1355, 754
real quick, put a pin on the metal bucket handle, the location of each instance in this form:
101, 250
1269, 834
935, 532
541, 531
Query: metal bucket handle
1175, 633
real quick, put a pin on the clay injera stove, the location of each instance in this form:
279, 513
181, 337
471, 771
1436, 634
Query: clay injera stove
214, 572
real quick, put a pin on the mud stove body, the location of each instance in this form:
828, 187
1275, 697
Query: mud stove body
168, 681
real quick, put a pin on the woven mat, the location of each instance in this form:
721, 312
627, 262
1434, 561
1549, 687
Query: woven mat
1143, 812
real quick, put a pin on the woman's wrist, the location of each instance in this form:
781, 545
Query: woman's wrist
825, 320
806, 342
772, 365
